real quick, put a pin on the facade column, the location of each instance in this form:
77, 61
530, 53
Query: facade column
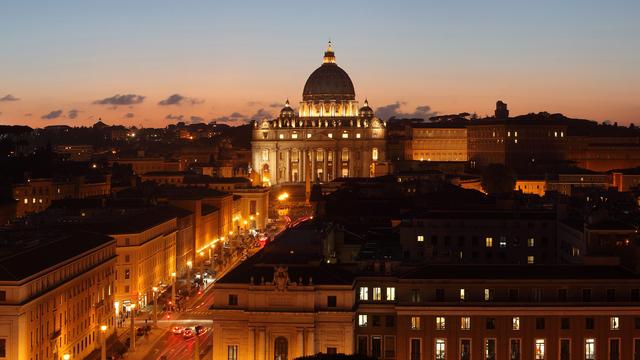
251, 351
300, 342
324, 164
336, 161
262, 345
303, 167
288, 165
313, 165
310, 346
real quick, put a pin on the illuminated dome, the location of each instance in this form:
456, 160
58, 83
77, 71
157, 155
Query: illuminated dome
329, 81
366, 111
287, 111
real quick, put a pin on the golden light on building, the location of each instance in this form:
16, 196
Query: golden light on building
284, 196
103, 328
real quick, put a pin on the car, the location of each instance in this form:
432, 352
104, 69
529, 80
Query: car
139, 331
200, 329
177, 330
187, 333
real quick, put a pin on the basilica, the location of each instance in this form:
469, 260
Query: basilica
329, 136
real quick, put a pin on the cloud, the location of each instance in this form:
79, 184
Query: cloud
128, 99
393, 110
129, 115
253, 103
9, 97
197, 119
28, 114
52, 115
276, 105
174, 117
232, 118
260, 114
177, 99
72, 114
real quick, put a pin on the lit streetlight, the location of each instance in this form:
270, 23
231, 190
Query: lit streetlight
103, 345
155, 307
66, 356
173, 289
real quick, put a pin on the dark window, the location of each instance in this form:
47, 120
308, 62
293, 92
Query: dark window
439, 294
614, 349
332, 301
253, 207
127, 273
539, 323
635, 294
637, 323
376, 347
281, 348
589, 323
465, 349
565, 349
474, 241
390, 321
233, 299
565, 324
332, 351
375, 320
490, 323
514, 349
513, 295
3, 295
390, 347
636, 349
362, 344
562, 295
3, 348
415, 349
611, 294
586, 295
415, 295
461, 241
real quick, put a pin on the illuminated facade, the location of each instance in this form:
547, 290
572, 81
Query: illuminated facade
55, 295
431, 142
328, 137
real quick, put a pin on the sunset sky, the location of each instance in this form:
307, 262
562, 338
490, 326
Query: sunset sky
73, 62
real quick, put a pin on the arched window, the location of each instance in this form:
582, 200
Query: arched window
345, 154
281, 349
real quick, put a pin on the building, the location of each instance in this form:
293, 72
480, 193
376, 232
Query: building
56, 290
438, 142
75, 152
329, 137
36, 195
145, 164
521, 143
604, 153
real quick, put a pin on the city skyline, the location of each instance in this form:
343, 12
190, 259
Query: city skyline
149, 65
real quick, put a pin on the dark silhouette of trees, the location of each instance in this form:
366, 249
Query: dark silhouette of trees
498, 179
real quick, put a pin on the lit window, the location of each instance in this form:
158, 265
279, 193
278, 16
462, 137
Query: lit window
489, 242
503, 242
515, 322
415, 323
308, 136
362, 320
377, 294
391, 294
515, 134
531, 259
531, 242
358, 136
374, 154
441, 323
26, 201
488, 294
364, 293
420, 238
265, 154
589, 349
330, 135
462, 295
281, 136
555, 134
34, 200
561, 133
440, 349
294, 135
614, 323
465, 323
539, 349
345, 135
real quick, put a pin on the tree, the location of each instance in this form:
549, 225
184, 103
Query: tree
497, 179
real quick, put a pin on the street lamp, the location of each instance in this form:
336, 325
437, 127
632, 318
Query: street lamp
202, 268
66, 356
189, 265
132, 342
155, 307
173, 289
103, 345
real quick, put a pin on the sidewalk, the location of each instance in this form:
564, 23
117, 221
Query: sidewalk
144, 344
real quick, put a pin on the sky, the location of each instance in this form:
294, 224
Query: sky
152, 63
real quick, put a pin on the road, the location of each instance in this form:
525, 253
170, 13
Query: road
175, 347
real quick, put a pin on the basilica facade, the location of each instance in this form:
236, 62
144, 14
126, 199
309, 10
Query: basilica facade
329, 136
